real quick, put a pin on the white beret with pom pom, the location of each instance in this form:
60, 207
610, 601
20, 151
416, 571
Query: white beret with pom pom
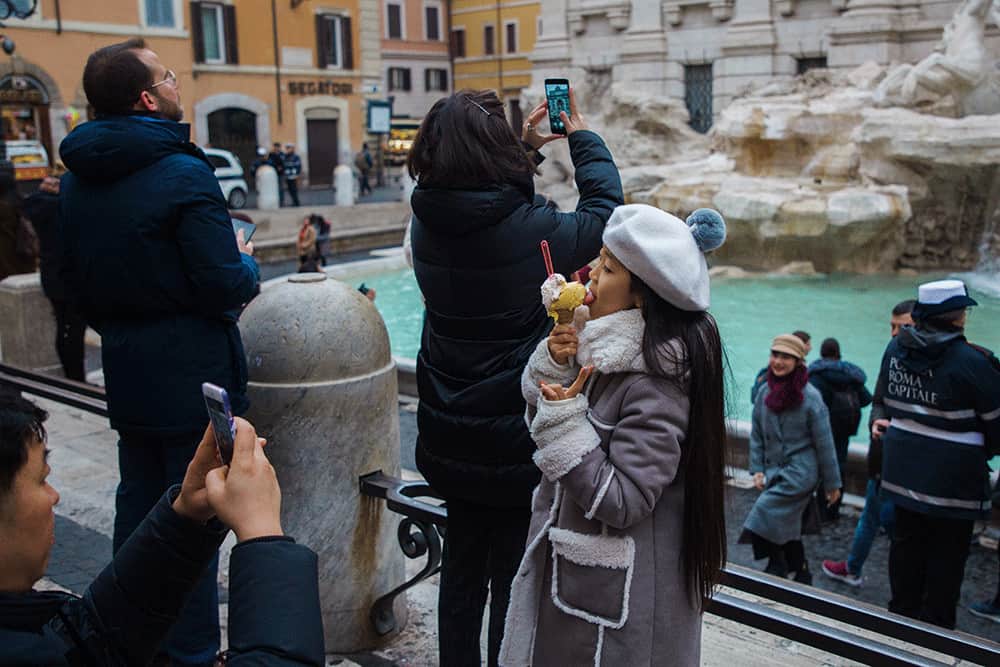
666, 252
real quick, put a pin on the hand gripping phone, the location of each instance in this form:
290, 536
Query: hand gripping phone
248, 228
557, 97
221, 415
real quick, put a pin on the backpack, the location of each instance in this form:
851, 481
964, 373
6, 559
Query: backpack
845, 410
361, 161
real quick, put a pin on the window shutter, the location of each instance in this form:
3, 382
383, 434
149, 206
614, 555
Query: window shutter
406, 79
444, 80
348, 42
322, 43
229, 30
427, 79
197, 39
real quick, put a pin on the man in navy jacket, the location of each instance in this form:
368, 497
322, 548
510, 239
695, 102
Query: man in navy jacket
150, 251
274, 614
937, 411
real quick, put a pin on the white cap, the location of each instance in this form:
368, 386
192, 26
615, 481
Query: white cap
940, 291
941, 296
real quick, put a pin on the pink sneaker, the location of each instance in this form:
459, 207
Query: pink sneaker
838, 570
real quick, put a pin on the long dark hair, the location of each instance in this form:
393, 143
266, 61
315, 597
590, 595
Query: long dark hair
465, 142
697, 367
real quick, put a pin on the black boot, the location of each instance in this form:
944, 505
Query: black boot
803, 575
777, 565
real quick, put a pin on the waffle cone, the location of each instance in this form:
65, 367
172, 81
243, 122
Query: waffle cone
564, 316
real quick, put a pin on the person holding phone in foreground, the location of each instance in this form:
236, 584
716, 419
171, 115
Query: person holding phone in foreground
157, 271
274, 612
791, 453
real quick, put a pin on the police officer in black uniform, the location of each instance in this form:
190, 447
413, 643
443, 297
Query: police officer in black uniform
937, 411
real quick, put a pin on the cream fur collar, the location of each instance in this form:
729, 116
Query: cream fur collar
613, 343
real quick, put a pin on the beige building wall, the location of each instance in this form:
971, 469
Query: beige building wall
297, 99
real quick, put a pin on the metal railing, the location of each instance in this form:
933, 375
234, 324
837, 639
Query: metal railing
69, 392
430, 521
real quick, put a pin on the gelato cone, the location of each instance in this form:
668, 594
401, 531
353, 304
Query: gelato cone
561, 299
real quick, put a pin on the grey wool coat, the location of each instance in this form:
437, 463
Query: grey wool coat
794, 449
601, 580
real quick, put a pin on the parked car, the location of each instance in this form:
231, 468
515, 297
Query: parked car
229, 171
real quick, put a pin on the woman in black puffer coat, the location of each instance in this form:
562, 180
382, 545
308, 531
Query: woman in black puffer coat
476, 229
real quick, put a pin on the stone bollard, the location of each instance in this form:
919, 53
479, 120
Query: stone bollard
268, 194
343, 178
322, 389
27, 325
406, 185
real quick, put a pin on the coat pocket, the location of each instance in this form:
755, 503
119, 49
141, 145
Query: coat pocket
592, 576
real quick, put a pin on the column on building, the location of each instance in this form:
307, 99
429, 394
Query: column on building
748, 50
869, 30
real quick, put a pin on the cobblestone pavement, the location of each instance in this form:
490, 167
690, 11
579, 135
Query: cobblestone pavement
834, 543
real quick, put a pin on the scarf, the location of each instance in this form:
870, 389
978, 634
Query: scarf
788, 391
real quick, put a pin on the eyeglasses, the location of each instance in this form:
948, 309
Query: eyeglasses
169, 77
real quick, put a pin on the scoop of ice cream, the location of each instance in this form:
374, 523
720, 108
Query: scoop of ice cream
551, 289
571, 296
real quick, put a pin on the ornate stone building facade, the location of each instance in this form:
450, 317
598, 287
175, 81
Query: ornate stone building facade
706, 51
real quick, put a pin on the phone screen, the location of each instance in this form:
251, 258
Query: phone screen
221, 416
248, 228
557, 95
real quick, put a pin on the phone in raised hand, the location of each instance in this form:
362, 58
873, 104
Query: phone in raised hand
220, 413
557, 97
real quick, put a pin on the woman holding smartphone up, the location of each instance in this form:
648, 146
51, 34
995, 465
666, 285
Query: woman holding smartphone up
477, 225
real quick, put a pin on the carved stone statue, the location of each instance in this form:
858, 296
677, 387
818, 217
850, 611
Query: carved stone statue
960, 66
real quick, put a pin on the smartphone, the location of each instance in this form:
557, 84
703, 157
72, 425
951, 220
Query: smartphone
363, 289
557, 96
248, 228
221, 415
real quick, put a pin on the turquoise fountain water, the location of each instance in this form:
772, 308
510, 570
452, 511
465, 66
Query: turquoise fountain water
853, 309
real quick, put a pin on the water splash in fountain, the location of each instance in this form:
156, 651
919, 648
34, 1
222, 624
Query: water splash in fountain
985, 277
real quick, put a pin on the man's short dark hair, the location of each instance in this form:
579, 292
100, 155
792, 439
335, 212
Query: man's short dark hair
830, 349
20, 426
802, 335
114, 77
904, 307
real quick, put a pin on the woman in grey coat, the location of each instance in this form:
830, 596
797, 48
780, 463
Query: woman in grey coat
627, 535
791, 451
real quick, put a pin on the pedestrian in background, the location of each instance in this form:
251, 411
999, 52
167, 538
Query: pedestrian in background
937, 411
761, 379
791, 453
476, 229
42, 208
306, 242
842, 386
151, 255
293, 168
363, 162
18, 242
876, 512
277, 160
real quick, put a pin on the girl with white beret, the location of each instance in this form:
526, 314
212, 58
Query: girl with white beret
627, 536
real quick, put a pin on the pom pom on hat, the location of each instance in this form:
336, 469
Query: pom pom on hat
708, 229
666, 252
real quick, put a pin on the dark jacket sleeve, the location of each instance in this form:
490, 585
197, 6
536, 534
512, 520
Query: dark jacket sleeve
577, 237
224, 278
878, 398
274, 612
141, 592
